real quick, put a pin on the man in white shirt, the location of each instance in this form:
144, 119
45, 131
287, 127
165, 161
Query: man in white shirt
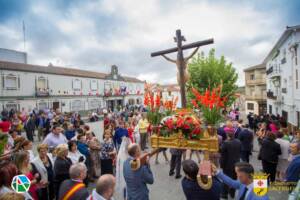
105, 188
55, 137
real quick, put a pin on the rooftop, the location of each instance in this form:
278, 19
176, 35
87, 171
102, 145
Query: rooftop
58, 71
288, 31
260, 66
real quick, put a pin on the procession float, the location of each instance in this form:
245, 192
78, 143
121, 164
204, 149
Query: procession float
193, 128
185, 128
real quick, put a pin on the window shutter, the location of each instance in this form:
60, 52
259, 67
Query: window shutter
81, 84
19, 84
3, 81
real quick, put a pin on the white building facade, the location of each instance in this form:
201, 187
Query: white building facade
66, 89
283, 77
168, 93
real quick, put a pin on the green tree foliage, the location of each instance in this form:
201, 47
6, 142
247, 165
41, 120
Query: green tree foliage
210, 72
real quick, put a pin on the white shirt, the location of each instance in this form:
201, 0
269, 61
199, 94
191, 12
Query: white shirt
75, 156
31, 155
284, 145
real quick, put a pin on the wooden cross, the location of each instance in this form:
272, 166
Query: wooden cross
181, 61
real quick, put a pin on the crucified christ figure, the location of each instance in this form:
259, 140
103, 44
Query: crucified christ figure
184, 63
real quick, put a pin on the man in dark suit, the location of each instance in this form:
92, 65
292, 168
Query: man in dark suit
221, 132
137, 180
230, 154
244, 185
74, 188
175, 163
191, 188
246, 138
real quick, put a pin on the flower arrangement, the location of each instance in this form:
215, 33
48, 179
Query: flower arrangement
153, 104
187, 123
210, 103
170, 105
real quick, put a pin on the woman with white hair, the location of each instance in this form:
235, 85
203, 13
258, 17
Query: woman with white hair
62, 165
44, 165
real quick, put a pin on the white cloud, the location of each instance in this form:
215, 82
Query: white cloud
125, 32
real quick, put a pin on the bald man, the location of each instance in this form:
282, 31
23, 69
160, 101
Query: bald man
105, 188
137, 180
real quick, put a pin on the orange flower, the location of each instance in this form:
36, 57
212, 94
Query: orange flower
157, 101
146, 99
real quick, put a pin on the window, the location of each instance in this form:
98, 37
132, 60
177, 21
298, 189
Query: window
285, 115
252, 76
270, 109
11, 82
77, 105
77, 84
12, 105
131, 101
107, 88
297, 79
42, 105
42, 83
170, 93
250, 106
94, 85
94, 104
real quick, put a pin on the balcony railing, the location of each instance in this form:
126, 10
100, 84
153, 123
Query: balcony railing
42, 93
284, 90
256, 81
273, 71
271, 95
270, 70
255, 97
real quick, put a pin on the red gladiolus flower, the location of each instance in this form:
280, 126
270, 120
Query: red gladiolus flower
194, 102
151, 102
157, 101
146, 99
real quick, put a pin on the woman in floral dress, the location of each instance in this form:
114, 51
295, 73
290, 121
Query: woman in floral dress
107, 153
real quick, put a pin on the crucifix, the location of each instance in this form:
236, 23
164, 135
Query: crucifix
181, 62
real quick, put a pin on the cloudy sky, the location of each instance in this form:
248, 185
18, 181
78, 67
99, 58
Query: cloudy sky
94, 35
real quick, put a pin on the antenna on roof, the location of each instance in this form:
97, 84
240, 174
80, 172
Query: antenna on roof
24, 36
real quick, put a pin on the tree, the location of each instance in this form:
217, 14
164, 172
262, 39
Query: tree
210, 72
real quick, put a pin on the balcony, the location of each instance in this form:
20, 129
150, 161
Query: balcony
271, 95
42, 92
255, 97
259, 81
273, 71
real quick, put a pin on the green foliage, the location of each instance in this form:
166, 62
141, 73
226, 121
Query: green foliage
210, 72
155, 117
211, 116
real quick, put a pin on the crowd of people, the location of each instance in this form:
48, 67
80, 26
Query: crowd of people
69, 157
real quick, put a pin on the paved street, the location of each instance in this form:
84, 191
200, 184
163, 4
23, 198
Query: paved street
169, 188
